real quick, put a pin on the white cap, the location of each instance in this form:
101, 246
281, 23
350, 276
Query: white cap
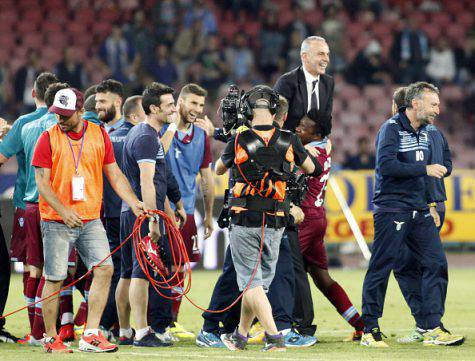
66, 102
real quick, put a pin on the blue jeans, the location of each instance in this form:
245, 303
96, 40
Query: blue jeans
90, 241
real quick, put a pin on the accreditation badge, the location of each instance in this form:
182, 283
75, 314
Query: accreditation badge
78, 188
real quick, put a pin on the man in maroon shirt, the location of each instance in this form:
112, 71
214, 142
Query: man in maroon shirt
313, 130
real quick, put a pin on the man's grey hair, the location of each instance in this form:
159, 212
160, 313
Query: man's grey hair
305, 47
416, 90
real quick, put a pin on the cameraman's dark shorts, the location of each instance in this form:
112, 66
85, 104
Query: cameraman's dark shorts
245, 244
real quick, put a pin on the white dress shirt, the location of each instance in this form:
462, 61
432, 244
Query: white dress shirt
309, 79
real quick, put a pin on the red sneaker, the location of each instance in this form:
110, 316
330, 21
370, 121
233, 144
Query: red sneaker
55, 345
66, 333
96, 343
24, 340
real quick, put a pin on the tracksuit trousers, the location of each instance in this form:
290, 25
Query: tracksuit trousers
416, 229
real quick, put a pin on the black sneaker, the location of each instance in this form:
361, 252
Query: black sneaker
149, 340
7, 337
234, 341
274, 343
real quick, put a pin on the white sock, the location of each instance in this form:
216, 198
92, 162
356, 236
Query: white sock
139, 334
66, 318
126, 332
91, 331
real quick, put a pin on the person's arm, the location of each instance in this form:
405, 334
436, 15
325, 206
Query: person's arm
174, 195
167, 137
11, 143
387, 146
122, 188
306, 162
43, 182
207, 189
447, 157
227, 158
147, 172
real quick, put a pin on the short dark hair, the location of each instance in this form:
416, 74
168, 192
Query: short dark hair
90, 91
111, 86
42, 82
322, 120
399, 96
130, 105
90, 103
152, 93
193, 88
283, 109
52, 90
415, 91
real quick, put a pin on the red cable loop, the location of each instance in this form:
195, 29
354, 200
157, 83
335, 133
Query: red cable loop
180, 261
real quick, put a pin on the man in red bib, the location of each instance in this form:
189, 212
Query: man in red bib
70, 159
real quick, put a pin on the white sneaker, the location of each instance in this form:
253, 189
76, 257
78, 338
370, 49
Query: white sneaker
37, 343
166, 337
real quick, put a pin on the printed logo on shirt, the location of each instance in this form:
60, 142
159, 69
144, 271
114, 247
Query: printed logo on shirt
399, 225
21, 221
161, 153
177, 153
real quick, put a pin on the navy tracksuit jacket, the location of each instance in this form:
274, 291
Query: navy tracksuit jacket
402, 216
407, 271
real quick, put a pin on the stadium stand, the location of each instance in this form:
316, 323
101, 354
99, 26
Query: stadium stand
356, 30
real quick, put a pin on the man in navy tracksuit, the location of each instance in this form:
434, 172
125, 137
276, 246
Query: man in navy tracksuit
407, 271
402, 216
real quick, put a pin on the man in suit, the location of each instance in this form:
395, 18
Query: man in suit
308, 86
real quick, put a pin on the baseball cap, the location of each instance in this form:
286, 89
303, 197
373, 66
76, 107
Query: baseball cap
67, 101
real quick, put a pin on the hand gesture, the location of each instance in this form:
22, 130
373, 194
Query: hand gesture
328, 147
181, 215
313, 151
435, 215
206, 125
297, 213
208, 227
138, 208
70, 218
436, 170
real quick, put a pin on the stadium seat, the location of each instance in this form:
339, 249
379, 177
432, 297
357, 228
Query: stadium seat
32, 40
26, 27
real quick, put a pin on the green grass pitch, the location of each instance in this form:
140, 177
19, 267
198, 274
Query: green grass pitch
397, 321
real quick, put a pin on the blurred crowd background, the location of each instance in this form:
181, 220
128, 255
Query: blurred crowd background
375, 45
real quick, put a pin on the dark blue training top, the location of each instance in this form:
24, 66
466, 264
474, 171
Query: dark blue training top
142, 144
440, 154
111, 201
401, 158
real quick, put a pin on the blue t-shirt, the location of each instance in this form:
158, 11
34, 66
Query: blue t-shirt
29, 136
12, 145
142, 144
185, 157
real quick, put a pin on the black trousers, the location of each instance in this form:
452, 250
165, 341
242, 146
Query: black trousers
303, 304
4, 275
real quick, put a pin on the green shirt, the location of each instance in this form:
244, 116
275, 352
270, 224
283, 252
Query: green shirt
12, 145
29, 136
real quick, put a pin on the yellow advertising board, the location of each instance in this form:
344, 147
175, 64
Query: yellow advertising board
358, 188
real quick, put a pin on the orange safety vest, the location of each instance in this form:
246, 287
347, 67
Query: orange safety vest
63, 169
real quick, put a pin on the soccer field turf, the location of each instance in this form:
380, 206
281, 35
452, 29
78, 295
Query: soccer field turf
397, 321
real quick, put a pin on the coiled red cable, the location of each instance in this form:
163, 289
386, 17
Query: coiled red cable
180, 261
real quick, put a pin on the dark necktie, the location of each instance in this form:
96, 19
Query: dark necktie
313, 97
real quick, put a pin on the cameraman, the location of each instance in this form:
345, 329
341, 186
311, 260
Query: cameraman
261, 165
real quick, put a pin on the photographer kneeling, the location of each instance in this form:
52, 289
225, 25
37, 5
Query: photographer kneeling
261, 159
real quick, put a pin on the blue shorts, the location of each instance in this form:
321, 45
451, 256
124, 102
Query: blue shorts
90, 241
129, 266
